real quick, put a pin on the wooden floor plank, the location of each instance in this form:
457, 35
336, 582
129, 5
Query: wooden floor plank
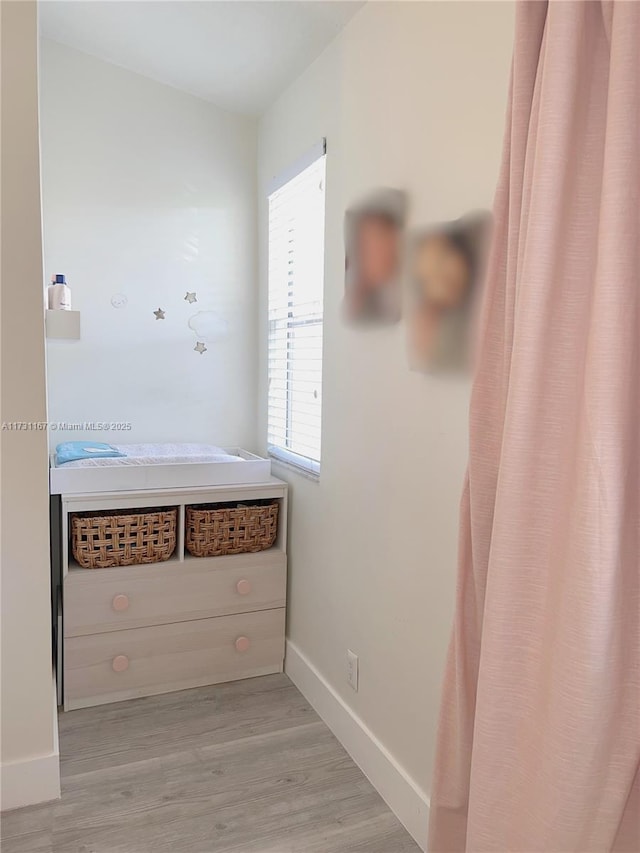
245, 767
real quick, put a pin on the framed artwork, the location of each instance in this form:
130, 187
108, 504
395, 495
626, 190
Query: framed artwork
374, 247
445, 266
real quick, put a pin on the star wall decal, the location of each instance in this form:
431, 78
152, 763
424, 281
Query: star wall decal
159, 314
190, 297
200, 347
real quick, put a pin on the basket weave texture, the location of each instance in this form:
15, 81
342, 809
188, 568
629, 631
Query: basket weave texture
213, 531
125, 539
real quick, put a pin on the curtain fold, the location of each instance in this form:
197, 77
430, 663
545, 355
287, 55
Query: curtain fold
539, 736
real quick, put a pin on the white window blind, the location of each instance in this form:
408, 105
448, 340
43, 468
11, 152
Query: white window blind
296, 279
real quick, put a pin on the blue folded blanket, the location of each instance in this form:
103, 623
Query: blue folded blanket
70, 451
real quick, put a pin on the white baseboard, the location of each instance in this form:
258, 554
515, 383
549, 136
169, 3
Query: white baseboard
24, 783
404, 797
34, 780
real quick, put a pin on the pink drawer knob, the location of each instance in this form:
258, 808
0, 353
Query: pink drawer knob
243, 587
120, 663
242, 644
120, 603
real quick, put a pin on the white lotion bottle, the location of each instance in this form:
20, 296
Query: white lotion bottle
59, 294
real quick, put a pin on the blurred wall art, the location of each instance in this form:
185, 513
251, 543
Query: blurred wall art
445, 267
374, 246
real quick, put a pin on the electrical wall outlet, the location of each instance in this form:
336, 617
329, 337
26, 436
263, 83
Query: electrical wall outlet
352, 669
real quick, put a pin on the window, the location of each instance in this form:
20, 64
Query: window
296, 279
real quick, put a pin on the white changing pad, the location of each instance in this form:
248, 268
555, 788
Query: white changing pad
157, 454
159, 467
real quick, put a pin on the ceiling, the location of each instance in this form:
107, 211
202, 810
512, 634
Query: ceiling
238, 54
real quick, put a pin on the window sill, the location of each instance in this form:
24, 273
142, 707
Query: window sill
297, 464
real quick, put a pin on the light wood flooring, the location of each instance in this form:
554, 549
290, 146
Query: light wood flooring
246, 767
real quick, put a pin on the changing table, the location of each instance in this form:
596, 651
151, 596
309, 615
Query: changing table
140, 630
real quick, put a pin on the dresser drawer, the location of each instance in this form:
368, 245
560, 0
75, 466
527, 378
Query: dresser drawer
97, 600
119, 665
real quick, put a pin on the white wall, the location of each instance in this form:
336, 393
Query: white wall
29, 735
410, 95
148, 192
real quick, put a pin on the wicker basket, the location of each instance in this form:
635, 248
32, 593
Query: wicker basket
127, 538
216, 529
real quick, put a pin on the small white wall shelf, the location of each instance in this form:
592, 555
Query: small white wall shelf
64, 325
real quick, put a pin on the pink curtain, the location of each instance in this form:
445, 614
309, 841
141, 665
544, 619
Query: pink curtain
539, 739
